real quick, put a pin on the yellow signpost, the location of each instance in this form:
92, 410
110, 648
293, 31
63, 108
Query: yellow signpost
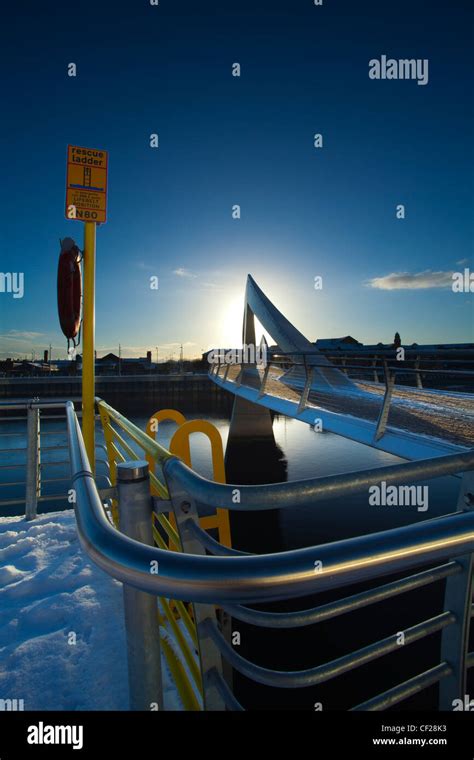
88, 343
86, 201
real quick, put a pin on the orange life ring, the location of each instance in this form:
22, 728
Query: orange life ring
69, 288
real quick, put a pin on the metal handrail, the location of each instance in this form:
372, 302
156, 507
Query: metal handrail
390, 373
394, 368
40, 499
331, 610
33, 404
274, 360
327, 671
34, 468
256, 578
406, 689
301, 493
415, 355
149, 445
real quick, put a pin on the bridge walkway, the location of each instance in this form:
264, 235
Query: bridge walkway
437, 414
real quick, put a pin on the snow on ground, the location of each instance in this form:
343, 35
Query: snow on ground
49, 590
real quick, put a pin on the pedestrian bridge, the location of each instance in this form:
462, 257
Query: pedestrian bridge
300, 382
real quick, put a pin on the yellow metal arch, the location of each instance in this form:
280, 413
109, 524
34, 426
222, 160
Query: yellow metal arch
161, 416
180, 446
168, 523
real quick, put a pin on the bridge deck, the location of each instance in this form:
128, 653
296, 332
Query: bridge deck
444, 419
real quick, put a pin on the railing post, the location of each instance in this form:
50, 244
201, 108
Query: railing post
141, 609
240, 375
307, 387
33, 458
419, 383
383, 416
458, 599
374, 365
264, 381
185, 512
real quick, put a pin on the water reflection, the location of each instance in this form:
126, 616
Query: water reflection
251, 463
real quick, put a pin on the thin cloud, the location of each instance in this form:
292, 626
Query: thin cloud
406, 281
182, 272
461, 262
20, 335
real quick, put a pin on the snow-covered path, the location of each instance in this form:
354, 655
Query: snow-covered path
62, 638
438, 414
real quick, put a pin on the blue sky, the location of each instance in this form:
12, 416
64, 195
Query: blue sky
245, 140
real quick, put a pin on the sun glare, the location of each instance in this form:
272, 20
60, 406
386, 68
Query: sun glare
230, 335
231, 323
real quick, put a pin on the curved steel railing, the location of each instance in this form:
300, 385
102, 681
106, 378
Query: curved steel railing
232, 579
304, 493
265, 577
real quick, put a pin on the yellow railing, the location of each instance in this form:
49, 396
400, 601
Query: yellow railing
187, 677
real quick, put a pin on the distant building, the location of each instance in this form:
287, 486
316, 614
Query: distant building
205, 355
24, 368
337, 344
111, 364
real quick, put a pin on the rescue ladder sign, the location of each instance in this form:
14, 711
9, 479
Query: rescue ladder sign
86, 184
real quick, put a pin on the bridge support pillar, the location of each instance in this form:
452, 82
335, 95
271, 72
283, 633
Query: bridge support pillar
249, 420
